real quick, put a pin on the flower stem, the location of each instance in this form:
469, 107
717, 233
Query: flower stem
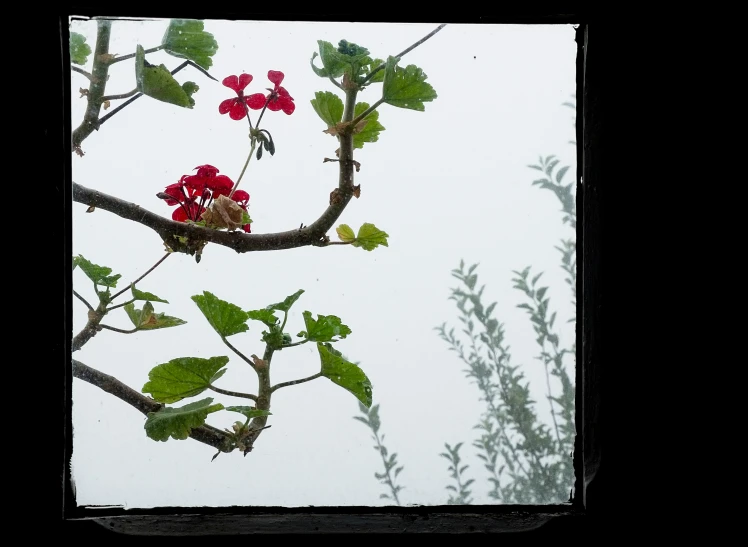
251, 153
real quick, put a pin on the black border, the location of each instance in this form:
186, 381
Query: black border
592, 64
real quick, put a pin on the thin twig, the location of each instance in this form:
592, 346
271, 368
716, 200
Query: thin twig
120, 96
233, 393
115, 329
239, 353
294, 382
131, 55
79, 297
405, 51
180, 67
81, 71
141, 277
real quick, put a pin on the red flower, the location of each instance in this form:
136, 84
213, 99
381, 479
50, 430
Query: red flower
277, 99
186, 198
193, 193
242, 199
207, 177
235, 107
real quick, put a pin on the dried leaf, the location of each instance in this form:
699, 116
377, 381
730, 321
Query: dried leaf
91, 209
335, 197
260, 363
224, 213
357, 190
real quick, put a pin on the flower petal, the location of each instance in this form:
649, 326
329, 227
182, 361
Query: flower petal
241, 197
179, 215
225, 106
221, 185
287, 104
275, 76
237, 111
232, 82
256, 101
244, 80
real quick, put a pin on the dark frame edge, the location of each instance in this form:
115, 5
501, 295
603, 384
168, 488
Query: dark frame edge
436, 519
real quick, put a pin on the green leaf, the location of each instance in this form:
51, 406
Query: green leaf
345, 233
158, 83
324, 329
370, 237
178, 422
406, 87
266, 316
274, 338
97, 274
379, 76
185, 38
328, 106
333, 62
79, 49
142, 295
227, 319
287, 303
146, 319
183, 377
344, 373
370, 131
249, 411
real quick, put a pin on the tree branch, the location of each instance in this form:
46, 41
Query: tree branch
205, 434
99, 75
169, 229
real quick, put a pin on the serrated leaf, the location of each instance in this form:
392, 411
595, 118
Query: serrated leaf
146, 319
79, 49
324, 329
345, 233
370, 131
264, 315
178, 422
406, 87
287, 303
344, 373
158, 83
142, 295
227, 319
249, 411
186, 39
183, 377
370, 237
328, 106
97, 274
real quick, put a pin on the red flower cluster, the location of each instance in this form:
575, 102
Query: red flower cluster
194, 193
277, 99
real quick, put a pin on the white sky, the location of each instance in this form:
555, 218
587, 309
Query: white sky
446, 184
